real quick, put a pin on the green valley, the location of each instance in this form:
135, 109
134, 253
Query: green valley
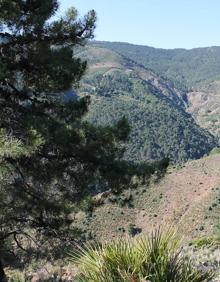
196, 72
155, 108
109, 151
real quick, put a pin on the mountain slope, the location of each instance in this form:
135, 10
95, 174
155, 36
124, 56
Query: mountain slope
154, 107
187, 68
195, 71
188, 198
204, 105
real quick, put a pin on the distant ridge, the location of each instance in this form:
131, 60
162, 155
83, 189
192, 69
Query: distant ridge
185, 67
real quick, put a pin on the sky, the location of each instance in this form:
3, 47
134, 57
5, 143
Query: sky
159, 23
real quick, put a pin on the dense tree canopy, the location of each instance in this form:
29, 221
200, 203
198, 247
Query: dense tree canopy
160, 125
187, 69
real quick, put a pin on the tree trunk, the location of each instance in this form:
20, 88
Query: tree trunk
2, 273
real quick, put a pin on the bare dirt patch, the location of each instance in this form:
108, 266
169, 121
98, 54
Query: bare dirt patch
186, 196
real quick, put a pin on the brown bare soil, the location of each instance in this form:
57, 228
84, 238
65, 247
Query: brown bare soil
186, 195
186, 198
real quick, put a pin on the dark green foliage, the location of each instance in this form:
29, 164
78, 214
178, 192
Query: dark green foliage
44, 144
121, 200
159, 127
186, 68
51, 159
133, 230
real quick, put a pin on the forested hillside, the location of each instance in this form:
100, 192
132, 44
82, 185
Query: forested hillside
186, 68
160, 127
80, 129
196, 72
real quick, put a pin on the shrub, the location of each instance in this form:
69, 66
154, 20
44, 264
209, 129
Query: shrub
133, 230
16, 276
205, 242
156, 258
214, 151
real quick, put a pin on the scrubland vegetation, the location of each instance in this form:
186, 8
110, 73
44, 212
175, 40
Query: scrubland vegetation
90, 139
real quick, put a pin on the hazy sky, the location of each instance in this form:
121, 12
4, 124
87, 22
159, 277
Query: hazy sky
158, 23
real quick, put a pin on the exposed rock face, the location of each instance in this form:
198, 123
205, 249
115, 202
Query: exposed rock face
204, 105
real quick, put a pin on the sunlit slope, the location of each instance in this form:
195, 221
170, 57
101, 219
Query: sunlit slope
160, 126
196, 72
187, 68
187, 198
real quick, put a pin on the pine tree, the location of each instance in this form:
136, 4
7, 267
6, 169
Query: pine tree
50, 157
